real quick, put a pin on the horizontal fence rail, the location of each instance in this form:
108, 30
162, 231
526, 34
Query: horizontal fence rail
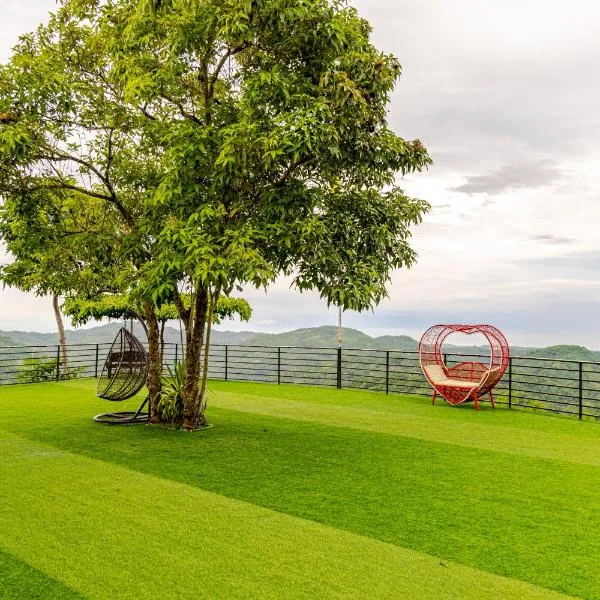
35, 364
559, 386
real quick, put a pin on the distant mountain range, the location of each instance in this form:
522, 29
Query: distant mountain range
317, 337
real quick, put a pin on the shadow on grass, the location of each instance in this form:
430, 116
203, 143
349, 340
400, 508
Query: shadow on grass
20, 581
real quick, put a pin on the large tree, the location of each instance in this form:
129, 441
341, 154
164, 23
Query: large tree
229, 141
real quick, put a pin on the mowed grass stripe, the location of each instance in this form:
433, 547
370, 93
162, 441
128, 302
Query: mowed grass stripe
409, 404
498, 430
20, 581
527, 518
108, 533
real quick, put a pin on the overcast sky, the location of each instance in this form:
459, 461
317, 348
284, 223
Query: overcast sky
505, 96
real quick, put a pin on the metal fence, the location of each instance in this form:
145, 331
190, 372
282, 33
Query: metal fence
560, 386
33, 364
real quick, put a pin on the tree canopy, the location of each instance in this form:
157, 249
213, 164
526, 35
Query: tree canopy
214, 144
112, 306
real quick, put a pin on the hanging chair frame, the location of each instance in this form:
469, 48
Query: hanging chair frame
124, 374
468, 380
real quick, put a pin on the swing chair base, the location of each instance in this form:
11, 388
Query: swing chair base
121, 418
124, 417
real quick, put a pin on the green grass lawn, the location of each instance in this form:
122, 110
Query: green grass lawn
296, 492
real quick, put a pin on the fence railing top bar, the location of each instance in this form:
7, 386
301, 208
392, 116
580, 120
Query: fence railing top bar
330, 348
411, 352
378, 350
274, 348
449, 355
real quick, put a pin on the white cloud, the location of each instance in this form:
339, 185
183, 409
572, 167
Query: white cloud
505, 97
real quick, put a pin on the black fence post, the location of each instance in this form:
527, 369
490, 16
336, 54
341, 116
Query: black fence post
96, 367
57, 363
226, 362
339, 368
279, 365
445, 357
580, 390
176, 353
387, 372
510, 382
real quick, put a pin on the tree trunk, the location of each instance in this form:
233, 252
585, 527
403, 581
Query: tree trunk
162, 340
192, 409
209, 320
61, 337
153, 381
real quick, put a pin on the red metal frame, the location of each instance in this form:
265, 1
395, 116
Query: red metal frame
479, 379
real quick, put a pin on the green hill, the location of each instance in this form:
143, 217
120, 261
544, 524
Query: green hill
395, 342
325, 336
565, 352
7, 342
105, 334
316, 337
93, 335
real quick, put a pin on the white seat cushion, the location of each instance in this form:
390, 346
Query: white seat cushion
437, 376
457, 383
435, 373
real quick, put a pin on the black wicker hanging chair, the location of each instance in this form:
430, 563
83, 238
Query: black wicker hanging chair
123, 376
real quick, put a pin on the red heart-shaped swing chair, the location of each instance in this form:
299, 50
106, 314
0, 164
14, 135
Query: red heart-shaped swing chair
466, 380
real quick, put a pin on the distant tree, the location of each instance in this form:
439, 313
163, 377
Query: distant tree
51, 247
227, 142
62, 340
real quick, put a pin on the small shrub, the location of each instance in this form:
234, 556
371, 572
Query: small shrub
37, 370
170, 405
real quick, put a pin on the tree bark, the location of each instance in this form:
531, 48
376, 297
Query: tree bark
153, 381
209, 320
192, 413
162, 340
61, 337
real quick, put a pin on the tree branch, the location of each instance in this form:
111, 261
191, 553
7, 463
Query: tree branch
231, 52
287, 175
59, 156
60, 184
148, 115
109, 160
182, 111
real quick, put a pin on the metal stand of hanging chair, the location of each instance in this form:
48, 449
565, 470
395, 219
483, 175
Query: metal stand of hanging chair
123, 376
